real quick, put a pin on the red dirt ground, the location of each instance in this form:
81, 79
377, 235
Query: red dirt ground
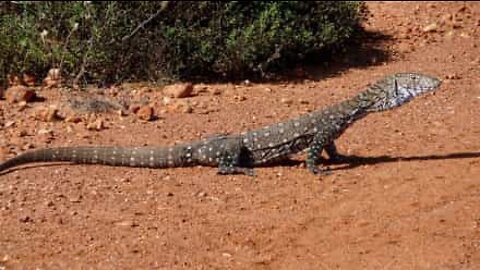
411, 202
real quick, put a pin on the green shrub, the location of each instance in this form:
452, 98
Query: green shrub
137, 40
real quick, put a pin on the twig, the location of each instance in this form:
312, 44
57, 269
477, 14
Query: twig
140, 26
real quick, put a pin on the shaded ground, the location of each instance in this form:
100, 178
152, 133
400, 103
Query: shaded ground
411, 202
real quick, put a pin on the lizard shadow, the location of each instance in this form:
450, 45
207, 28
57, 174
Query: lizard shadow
356, 161
352, 162
35, 165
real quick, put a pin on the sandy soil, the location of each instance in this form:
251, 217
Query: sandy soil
411, 202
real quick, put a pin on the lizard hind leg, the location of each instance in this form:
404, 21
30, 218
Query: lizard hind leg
235, 159
231, 168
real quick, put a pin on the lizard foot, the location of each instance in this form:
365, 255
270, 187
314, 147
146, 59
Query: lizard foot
223, 170
317, 171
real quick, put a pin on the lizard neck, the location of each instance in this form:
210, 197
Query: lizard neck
353, 109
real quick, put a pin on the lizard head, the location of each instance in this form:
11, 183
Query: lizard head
398, 89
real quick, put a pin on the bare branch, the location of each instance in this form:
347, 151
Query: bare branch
140, 26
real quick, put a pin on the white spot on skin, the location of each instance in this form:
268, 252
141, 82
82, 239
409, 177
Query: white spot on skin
296, 134
285, 140
270, 145
296, 124
281, 131
210, 149
245, 140
170, 149
266, 134
315, 129
218, 154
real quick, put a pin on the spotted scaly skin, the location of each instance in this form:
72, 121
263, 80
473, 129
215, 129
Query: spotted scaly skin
233, 154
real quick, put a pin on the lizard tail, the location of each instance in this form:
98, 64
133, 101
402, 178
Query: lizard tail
163, 157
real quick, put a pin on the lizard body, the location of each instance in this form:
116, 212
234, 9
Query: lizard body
315, 131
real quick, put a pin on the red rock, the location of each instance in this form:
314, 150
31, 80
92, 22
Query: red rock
134, 108
73, 119
180, 107
4, 153
14, 80
29, 80
20, 93
49, 114
96, 125
53, 79
179, 90
145, 113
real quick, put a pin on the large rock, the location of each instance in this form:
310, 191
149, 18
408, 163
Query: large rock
20, 93
179, 107
146, 113
53, 79
47, 114
178, 90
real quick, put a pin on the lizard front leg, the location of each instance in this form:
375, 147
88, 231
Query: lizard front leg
320, 140
333, 154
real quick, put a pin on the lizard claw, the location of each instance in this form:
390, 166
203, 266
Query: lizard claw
249, 172
317, 171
